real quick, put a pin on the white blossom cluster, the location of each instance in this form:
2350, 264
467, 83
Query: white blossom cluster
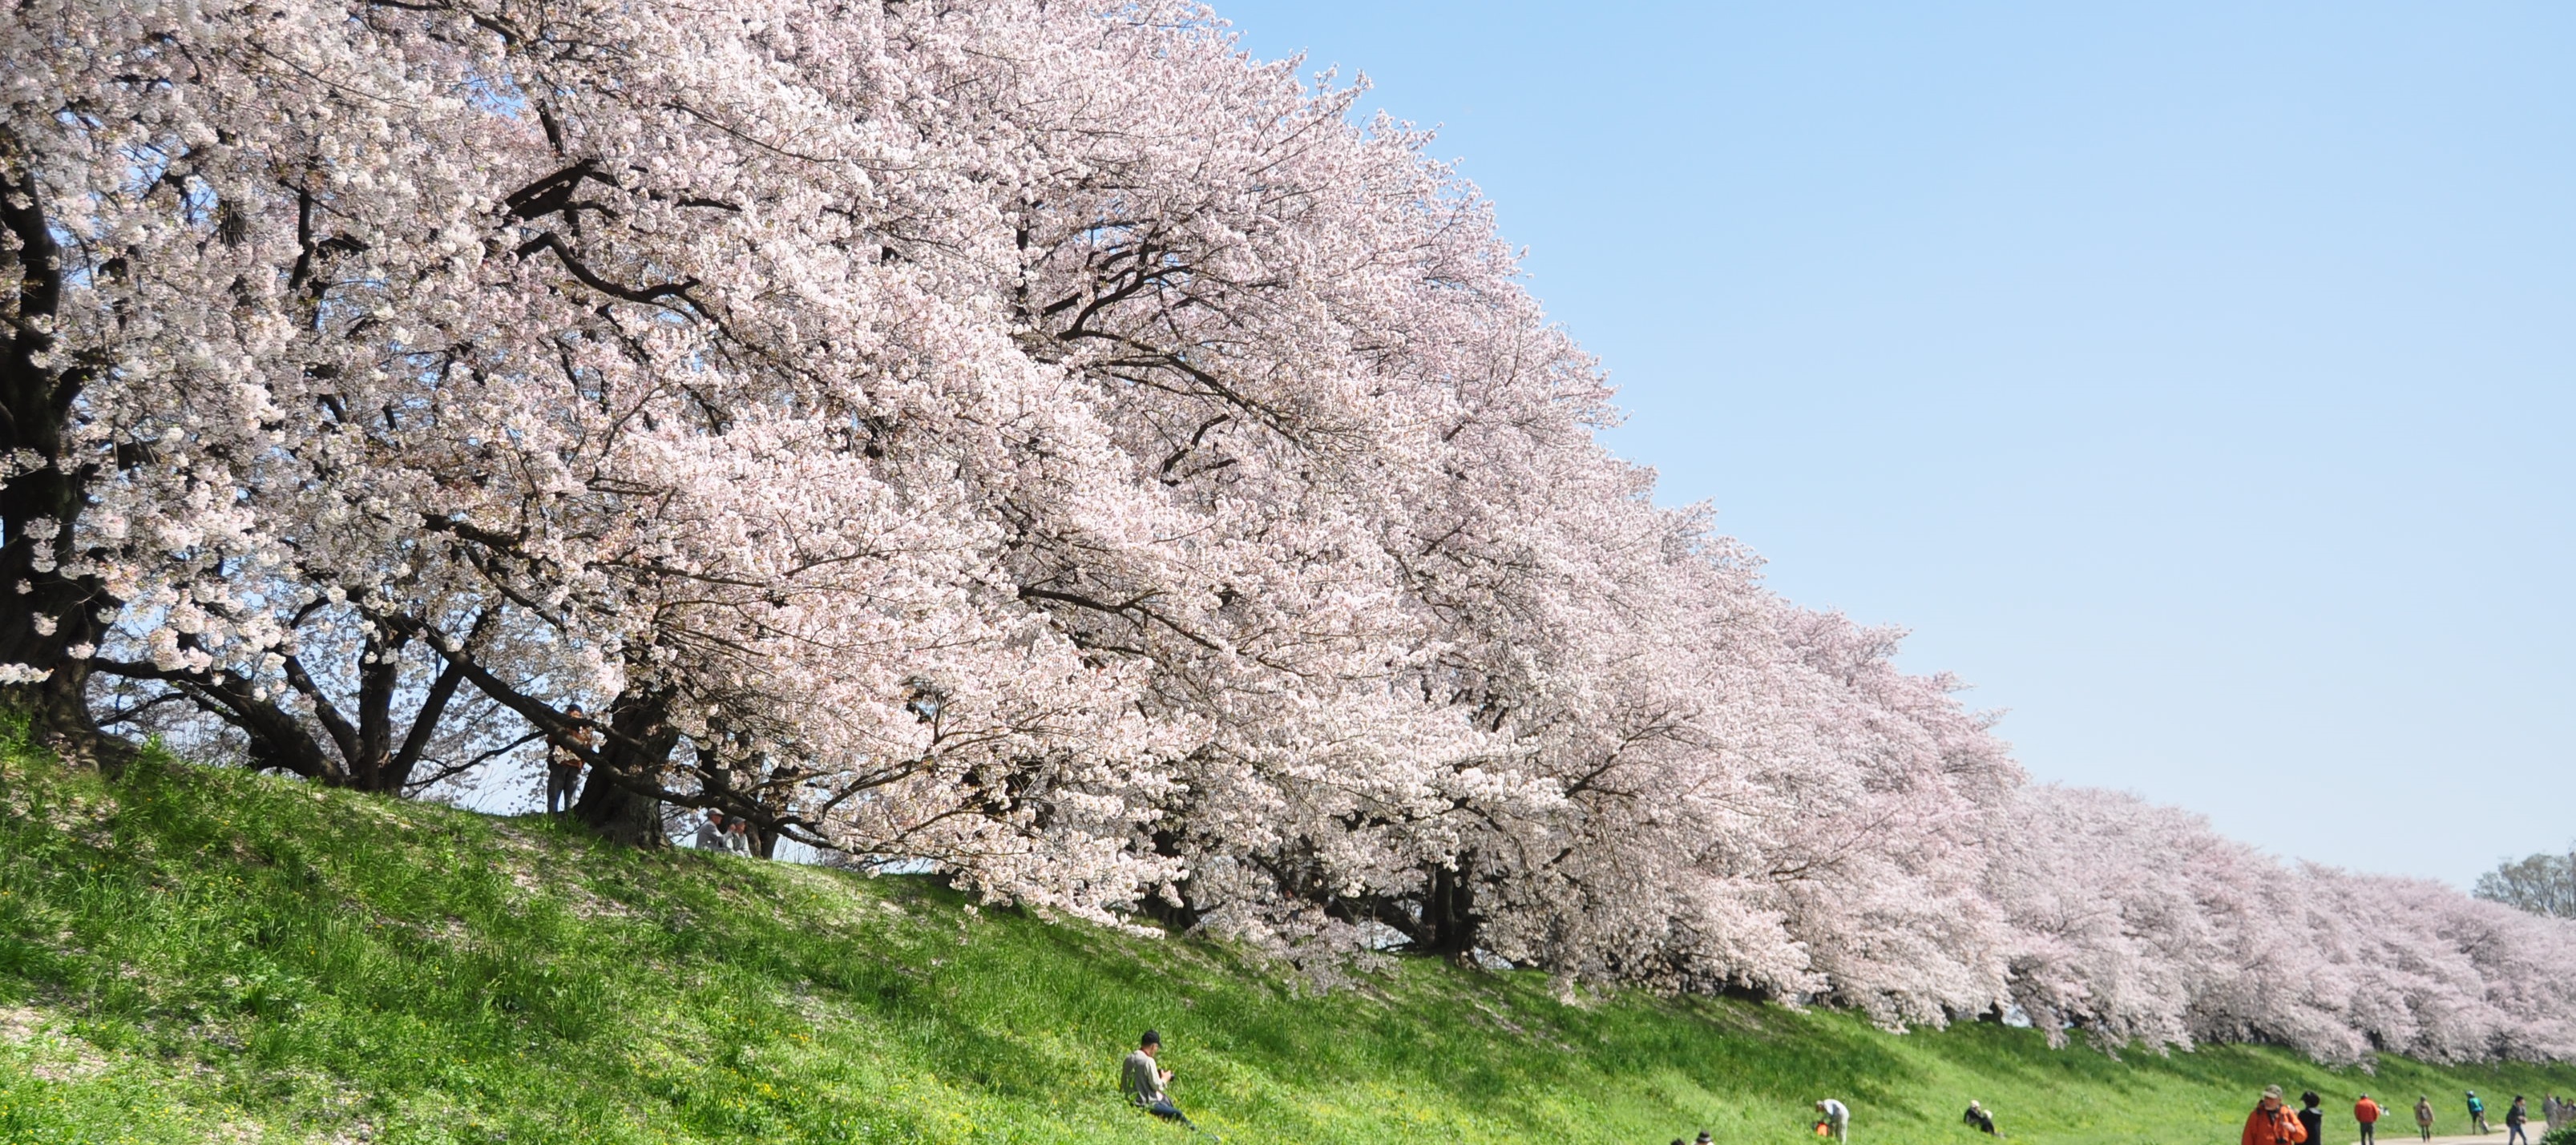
1038, 440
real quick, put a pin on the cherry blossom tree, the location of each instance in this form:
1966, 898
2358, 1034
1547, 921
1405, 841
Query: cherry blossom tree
1036, 440
2139, 924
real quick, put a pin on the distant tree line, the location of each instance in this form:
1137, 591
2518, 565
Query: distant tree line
2542, 884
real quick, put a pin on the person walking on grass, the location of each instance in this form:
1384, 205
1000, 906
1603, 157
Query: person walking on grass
2366, 1111
2516, 1116
1836, 1118
1142, 1079
2478, 1113
2311, 1117
563, 763
2270, 1124
2424, 1115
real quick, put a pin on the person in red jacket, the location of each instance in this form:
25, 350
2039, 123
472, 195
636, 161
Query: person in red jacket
2270, 1124
2366, 1112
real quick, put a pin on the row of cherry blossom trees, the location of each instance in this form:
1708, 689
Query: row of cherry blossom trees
1034, 439
2139, 923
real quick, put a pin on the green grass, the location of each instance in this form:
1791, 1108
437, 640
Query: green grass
192, 954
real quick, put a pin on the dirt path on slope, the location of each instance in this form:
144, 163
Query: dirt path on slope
2389, 1136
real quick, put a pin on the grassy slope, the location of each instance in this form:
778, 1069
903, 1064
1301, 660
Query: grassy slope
195, 954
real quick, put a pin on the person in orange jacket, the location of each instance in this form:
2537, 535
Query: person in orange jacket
2367, 1112
2270, 1124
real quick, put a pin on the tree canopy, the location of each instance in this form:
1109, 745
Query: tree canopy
2543, 884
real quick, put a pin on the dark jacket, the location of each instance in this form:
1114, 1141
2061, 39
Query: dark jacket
2273, 1127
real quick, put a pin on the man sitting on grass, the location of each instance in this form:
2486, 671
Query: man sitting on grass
1142, 1080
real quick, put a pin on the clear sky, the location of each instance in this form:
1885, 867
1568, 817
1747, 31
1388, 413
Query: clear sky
2195, 380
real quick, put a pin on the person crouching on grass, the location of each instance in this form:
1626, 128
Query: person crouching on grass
1834, 1120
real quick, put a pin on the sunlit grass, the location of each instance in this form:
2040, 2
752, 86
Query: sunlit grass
193, 954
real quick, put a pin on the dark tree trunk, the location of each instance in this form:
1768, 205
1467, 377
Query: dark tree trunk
40, 507
620, 799
1179, 916
381, 765
630, 763
360, 755
1449, 924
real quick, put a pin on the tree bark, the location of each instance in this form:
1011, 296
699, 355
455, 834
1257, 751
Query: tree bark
44, 611
629, 763
1450, 926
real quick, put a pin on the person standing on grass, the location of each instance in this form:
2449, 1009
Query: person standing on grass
2424, 1114
1142, 1079
2478, 1113
2516, 1116
1837, 1117
2270, 1124
2366, 1112
711, 832
738, 836
563, 763
2311, 1117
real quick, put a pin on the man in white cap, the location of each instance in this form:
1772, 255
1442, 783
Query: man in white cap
1837, 1117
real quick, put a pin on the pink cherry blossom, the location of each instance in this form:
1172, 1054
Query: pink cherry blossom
1038, 442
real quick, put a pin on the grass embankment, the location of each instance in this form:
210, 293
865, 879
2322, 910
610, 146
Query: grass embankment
191, 954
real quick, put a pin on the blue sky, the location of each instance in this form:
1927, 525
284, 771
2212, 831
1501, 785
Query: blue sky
2197, 381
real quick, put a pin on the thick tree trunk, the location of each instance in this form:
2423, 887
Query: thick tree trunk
382, 765
630, 762
1180, 916
44, 612
1449, 923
